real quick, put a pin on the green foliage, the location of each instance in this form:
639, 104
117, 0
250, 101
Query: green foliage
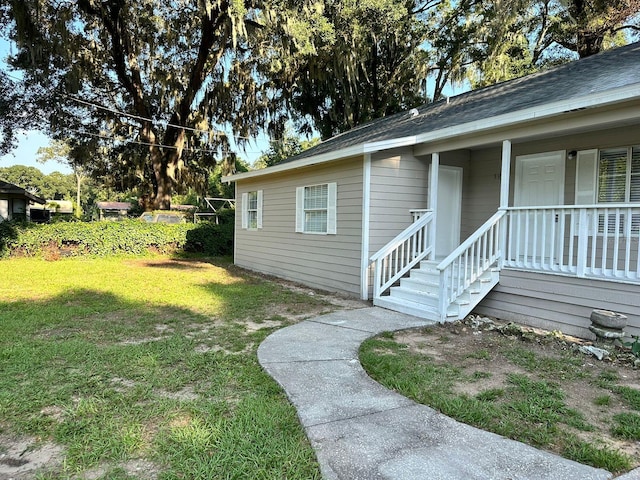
367, 63
601, 457
130, 237
8, 234
279, 150
210, 239
627, 426
634, 346
185, 75
53, 186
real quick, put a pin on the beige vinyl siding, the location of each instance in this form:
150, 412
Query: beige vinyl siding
329, 262
557, 302
481, 194
399, 183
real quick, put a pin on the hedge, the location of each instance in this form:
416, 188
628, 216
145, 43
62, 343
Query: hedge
129, 237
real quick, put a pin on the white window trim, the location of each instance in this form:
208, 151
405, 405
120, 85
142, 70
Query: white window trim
332, 190
245, 210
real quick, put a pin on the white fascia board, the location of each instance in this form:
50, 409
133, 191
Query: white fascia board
360, 149
389, 144
304, 162
534, 113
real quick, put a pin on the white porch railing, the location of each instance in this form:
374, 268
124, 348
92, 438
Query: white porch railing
402, 253
469, 261
598, 241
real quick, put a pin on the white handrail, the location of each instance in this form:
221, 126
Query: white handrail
470, 240
587, 241
469, 261
398, 256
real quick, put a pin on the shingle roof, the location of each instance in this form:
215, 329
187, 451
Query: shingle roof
608, 70
11, 189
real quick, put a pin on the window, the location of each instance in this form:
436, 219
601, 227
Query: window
618, 180
316, 208
619, 175
252, 210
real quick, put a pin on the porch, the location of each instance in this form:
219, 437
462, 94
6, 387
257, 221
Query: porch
591, 241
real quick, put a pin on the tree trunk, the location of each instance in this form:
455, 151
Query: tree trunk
78, 184
163, 167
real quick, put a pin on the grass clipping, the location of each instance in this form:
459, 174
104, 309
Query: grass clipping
529, 385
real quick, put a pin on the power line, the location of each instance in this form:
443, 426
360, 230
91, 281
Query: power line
141, 118
145, 119
108, 137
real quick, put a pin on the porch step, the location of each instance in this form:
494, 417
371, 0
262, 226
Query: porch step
418, 294
419, 310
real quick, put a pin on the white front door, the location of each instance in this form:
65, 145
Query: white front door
449, 209
539, 182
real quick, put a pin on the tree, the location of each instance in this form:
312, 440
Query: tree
53, 186
61, 152
29, 178
517, 37
147, 88
586, 24
279, 150
367, 63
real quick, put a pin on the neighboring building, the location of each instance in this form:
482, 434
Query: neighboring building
60, 207
113, 210
16, 202
540, 175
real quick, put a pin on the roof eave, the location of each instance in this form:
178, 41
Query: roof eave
609, 97
602, 99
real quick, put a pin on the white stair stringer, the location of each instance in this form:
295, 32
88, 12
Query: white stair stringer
418, 294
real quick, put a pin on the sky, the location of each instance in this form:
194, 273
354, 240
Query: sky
28, 141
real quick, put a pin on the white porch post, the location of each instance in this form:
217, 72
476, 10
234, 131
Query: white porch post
433, 197
366, 202
505, 175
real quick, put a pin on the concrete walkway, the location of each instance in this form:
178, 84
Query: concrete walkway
361, 430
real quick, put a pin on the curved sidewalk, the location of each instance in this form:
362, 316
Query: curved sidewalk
361, 430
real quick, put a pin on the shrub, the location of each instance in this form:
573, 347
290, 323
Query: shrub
211, 239
7, 234
113, 238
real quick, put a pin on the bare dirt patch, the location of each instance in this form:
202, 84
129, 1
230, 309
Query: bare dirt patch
22, 457
492, 351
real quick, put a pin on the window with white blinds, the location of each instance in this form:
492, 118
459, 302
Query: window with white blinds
618, 182
619, 175
316, 208
252, 210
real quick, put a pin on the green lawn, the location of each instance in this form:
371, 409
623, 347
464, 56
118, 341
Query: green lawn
151, 359
534, 389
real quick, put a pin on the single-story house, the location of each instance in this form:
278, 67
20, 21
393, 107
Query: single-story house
16, 202
520, 200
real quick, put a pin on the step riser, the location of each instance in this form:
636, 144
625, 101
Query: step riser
417, 311
414, 296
